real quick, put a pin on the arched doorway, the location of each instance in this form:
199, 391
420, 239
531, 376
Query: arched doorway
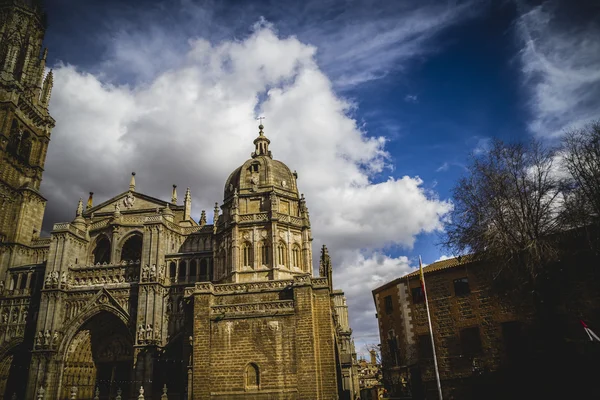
99, 355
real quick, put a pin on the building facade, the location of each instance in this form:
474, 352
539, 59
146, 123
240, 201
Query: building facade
135, 293
474, 332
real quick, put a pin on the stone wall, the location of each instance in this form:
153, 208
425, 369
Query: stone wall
283, 328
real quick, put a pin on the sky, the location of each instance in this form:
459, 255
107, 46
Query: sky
377, 105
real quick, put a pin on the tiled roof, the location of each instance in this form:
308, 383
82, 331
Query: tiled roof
444, 264
433, 267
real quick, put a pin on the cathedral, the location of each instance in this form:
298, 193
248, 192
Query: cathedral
134, 298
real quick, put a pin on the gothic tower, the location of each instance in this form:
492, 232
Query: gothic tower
264, 230
25, 123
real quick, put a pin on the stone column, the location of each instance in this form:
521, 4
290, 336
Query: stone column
201, 344
306, 356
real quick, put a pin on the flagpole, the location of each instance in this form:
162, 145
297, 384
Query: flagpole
435, 364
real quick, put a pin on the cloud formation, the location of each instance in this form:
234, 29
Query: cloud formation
561, 68
194, 122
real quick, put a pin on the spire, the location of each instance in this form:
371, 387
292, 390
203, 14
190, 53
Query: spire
261, 144
47, 89
79, 208
325, 270
187, 202
174, 195
203, 218
216, 214
132, 182
90, 202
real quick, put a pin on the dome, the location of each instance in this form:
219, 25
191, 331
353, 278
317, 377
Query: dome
261, 172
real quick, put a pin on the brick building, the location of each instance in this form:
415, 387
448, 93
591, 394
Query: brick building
135, 292
490, 346
474, 332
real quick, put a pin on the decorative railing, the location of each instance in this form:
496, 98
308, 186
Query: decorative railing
65, 226
229, 310
39, 242
99, 224
263, 216
107, 275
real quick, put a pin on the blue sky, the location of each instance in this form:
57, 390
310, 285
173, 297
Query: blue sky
376, 104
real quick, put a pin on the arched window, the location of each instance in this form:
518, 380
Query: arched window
281, 253
102, 250
132, 249
15, 139
25, 147
172, 270
181, 274
193, 271
296, 259
247, 259
204, 270
264, 253
252, 377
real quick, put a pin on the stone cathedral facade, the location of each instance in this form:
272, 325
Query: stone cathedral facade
134, 293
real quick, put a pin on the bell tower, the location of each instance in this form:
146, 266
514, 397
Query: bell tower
25, 123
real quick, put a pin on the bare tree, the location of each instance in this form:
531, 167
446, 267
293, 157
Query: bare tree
581, 157
507, 209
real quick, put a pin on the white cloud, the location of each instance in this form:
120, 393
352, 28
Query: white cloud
361, 274
411, 98
193, 124
443, 167
443, 257
561, 68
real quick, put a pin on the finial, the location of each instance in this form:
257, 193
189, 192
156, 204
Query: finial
216, 215
174, 195
260, 126
79, 208
90, 202
203, 218
261, 143
132, 182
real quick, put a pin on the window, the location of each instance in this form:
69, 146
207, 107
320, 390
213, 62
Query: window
389, 306
132, 249
470, 341
296, 257
417, 295
102, 250
254, 167
252, 377
425, 349
172, 270
461, 287
247, 260
193, 271
281, 250
264, 253
204, 270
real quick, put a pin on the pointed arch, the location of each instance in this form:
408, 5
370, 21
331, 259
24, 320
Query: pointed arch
281, 253
296, 257
102, 249
251, 377
131, 249
247, 255
264, 253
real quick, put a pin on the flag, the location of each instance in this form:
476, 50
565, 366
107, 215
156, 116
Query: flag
421, 276
589, 332
89, 202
